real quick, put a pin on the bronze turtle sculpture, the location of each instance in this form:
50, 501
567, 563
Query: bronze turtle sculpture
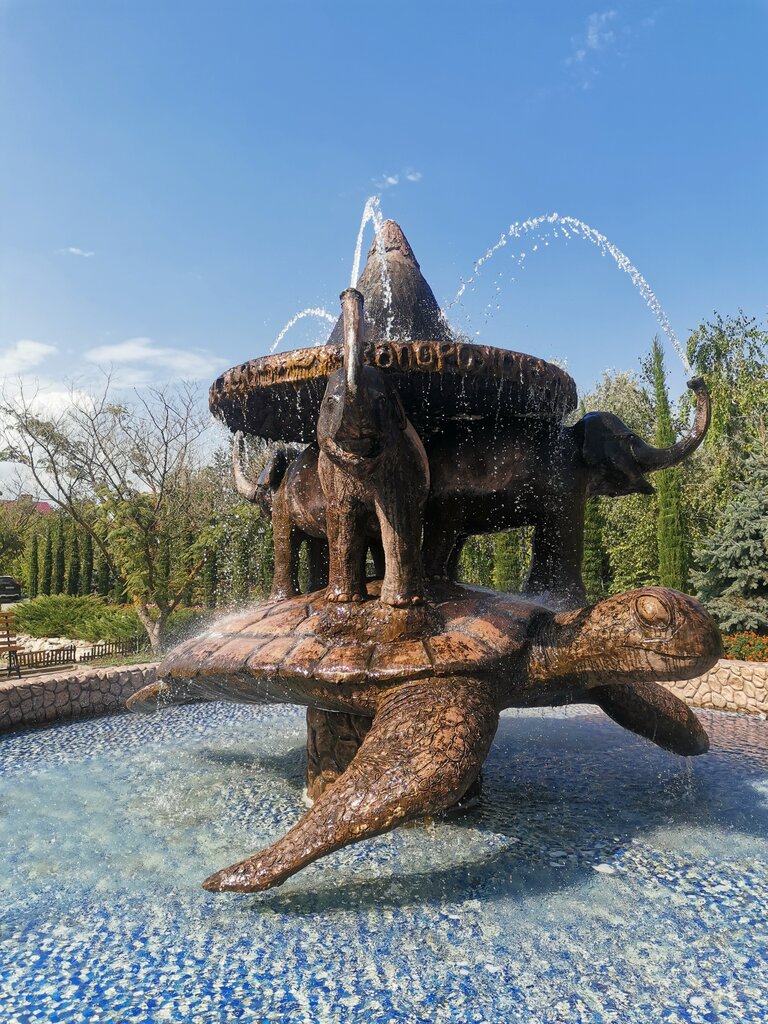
434, 679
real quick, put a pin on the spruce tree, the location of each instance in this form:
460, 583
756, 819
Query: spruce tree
32, 568
86, 572
670, 525
59, 559
733, 583
47, 575
595, 567
507, 561
73, 569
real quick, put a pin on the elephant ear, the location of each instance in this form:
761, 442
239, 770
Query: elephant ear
400, 413
605, 444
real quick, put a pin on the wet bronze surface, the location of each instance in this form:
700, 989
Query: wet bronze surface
440, 382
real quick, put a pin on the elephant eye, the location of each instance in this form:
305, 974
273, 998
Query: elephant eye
653, 611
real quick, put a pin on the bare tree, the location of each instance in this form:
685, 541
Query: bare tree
128, 473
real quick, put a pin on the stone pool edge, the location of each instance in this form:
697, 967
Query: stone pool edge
44, 699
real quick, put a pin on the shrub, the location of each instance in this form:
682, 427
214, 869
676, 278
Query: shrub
77, 618
746, 646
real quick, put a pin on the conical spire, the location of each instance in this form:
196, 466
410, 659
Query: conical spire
415, 314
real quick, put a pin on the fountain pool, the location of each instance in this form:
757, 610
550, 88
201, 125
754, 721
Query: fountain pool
599, 880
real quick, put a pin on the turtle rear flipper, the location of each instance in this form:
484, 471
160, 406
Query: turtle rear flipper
651, 711
425, 748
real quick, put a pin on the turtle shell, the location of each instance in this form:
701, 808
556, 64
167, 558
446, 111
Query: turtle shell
460, 630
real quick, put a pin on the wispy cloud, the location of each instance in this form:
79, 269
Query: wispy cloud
140, 360
604, 33
72, 250
390, 180
23, 356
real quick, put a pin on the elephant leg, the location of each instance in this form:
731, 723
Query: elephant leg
287, 543
377, 554
425, 748
557, 552
452, 565
400, 522
333, 739
317, 558
439, 542
347, 544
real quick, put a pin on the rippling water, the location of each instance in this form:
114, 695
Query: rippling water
601, 879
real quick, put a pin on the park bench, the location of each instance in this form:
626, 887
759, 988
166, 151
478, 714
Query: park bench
8, 644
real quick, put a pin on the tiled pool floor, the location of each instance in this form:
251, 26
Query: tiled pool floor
601, 879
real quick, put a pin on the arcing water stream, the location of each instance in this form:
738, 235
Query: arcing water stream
569, 227
554, 225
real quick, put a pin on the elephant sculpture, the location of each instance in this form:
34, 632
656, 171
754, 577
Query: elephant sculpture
371, 462
534, 473
290, 491
541, 474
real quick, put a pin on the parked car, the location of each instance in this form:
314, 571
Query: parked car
10, 589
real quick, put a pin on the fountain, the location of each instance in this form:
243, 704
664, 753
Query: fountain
405, 673
590, 876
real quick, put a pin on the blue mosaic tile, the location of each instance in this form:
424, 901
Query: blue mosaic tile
108, 826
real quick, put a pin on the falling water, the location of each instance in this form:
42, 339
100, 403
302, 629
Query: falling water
372, 212
571, 227
317, 311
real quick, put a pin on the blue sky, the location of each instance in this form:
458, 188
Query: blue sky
177, 179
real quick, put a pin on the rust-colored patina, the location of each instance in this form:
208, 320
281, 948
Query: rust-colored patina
433, 679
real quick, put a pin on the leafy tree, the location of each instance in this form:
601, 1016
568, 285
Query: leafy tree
33, 567
59, 558
627, 524
127, 473
47, 574
73, 569
507, 572
733, 580
86, 573
595, 568
731, 353
16, 518
671, 536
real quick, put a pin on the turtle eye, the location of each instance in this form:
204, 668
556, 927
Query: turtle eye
653, 611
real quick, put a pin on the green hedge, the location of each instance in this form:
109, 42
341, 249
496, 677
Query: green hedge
77, 618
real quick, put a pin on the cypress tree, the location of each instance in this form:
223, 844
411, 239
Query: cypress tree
73, 569
47, 576
103, 579
670, 525
86, 573
507, 561
59, 559
594, 567
187, 563
33, 568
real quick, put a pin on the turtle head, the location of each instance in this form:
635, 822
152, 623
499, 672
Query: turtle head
641, 635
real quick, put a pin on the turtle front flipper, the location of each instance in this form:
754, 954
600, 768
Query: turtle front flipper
162, 694
651, 711
426, 746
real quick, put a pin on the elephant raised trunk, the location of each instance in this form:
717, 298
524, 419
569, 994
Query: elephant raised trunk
649, 458
352, 311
